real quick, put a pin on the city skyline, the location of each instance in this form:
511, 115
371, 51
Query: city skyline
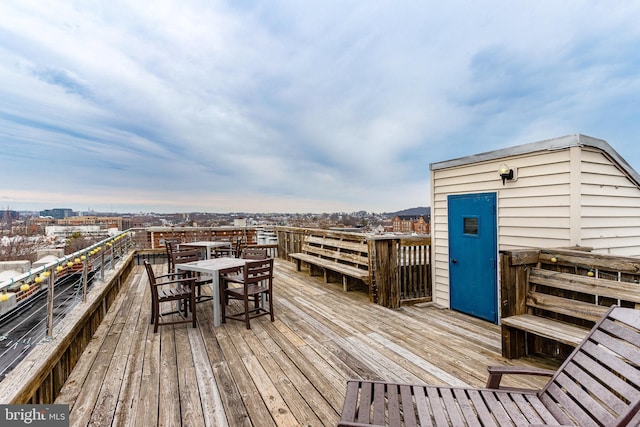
277, 106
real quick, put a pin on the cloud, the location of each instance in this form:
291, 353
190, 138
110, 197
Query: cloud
305, 106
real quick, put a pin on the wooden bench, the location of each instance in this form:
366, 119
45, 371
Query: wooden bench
350, 258
561, 307
597, 385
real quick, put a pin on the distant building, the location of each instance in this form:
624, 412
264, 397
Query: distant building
64, 231
240, 222
103, 221
411, 224
9, 215
58, 213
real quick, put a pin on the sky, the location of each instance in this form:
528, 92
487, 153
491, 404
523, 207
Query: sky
296, 106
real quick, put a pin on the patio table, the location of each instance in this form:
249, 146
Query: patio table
214, 266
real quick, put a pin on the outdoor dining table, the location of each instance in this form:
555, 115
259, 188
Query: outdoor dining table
208, 245
214, 267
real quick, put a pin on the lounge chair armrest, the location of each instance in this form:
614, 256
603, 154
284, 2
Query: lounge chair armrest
496, 373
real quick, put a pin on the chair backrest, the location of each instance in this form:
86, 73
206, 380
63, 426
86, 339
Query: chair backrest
254, 253
181, 257
237, 250
170, 246
147, 267
152, 280
258, 271
599, 383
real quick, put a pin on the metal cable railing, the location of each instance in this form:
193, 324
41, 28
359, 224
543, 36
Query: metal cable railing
38, 301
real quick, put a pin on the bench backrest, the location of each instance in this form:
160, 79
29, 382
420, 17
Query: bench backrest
345, 251
599, 383
578, 297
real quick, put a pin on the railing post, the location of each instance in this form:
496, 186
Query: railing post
50, 295
385, 265
102, 267
514, 267
84, 278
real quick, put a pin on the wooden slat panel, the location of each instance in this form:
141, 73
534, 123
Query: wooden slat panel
365, 402
589, 383
378, 403
422, 406
526, 409
621, 347
359, 246
437, 408
334, 266
589, 285
569, 405
455, 416
498, 412
511, 408
408, 409
393, 405
484, 414
574, 389
466, 408
335, 255
569, 307
556, 410
541, 409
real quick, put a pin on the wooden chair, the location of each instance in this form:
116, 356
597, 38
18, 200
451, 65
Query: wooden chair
238, 247
225, 251
254, 253
168, 288
597, 385
255, 282
191, 255
236, 275
170, 245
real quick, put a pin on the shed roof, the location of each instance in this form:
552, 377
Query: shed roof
546, 145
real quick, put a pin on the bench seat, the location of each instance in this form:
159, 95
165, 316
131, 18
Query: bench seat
544, 327
345, 255
344, 269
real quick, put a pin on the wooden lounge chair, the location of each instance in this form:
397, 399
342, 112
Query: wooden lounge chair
597, 385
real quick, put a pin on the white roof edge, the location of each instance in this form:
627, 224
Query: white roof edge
545, 145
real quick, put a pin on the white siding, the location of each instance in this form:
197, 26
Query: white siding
610, 206
533, 211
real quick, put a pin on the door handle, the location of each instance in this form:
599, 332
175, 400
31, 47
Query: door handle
454, 261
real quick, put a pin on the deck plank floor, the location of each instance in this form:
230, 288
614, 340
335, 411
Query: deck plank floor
291, 372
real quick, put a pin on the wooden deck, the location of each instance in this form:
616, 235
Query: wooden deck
291, 372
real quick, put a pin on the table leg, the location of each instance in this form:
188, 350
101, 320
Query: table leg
216, 298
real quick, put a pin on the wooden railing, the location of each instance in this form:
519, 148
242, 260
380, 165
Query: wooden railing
399, 265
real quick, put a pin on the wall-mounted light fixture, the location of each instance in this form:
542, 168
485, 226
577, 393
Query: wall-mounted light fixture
506, 173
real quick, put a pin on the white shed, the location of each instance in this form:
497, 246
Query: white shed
569, 191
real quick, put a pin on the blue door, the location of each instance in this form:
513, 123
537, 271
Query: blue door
473, 271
